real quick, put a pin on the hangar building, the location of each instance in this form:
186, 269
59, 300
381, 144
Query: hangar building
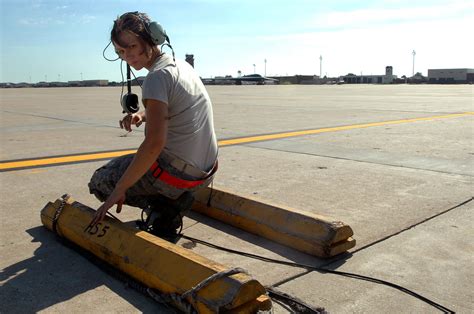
388, 78
451, 76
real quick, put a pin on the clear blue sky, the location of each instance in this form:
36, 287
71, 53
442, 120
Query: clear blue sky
61, 39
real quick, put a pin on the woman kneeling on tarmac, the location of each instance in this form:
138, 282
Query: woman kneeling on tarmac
179, 152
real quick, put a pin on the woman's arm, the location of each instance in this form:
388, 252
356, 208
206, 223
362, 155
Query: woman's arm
148, 152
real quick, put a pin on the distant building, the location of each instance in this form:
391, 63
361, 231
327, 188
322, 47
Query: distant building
41, 84
388, 78
294, 79
451, 76
95, 82
88, 83
57, 84
139, 80
74, 83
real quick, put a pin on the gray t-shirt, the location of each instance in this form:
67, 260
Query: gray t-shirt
191, 135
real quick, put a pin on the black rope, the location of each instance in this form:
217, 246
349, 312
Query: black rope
292, 301
414, 225
324, 270
296, 304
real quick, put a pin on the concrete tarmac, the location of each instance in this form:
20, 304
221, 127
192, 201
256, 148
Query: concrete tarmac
394, 162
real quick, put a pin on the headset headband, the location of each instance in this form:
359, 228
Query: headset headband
154, 30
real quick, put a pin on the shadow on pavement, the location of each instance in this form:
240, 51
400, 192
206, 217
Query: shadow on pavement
57, 273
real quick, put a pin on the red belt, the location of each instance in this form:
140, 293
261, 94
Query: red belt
169, 179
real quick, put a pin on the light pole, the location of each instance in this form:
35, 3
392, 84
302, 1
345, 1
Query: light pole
81, 76
413, 69
265, 67
254, 69
320, 66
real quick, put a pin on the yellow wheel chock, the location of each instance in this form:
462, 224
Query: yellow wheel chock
309, 233
192, 280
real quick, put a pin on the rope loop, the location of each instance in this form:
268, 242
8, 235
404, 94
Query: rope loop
58, 212
180, 300
226, 273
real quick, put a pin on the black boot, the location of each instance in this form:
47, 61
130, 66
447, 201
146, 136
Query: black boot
165, 218
167, 226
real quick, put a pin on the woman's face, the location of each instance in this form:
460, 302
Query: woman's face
134, 51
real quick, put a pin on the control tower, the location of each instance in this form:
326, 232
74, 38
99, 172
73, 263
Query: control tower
190, 60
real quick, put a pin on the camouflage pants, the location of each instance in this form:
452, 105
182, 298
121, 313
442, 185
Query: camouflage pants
146, 192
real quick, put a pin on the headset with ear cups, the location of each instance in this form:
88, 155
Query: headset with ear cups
157, 36
156, 32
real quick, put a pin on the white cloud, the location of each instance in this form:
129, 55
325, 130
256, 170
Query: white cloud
381, 16
86, 18
41, 21
37, 4
370, 50
370, 39
46, 21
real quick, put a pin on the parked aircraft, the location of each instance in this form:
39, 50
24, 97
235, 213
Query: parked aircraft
250, 79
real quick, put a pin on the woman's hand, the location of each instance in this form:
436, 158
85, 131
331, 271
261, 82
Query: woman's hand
132, 119
117, 197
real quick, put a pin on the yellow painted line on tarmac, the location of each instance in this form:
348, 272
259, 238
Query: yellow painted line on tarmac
62, 159
48, 161
267, 137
